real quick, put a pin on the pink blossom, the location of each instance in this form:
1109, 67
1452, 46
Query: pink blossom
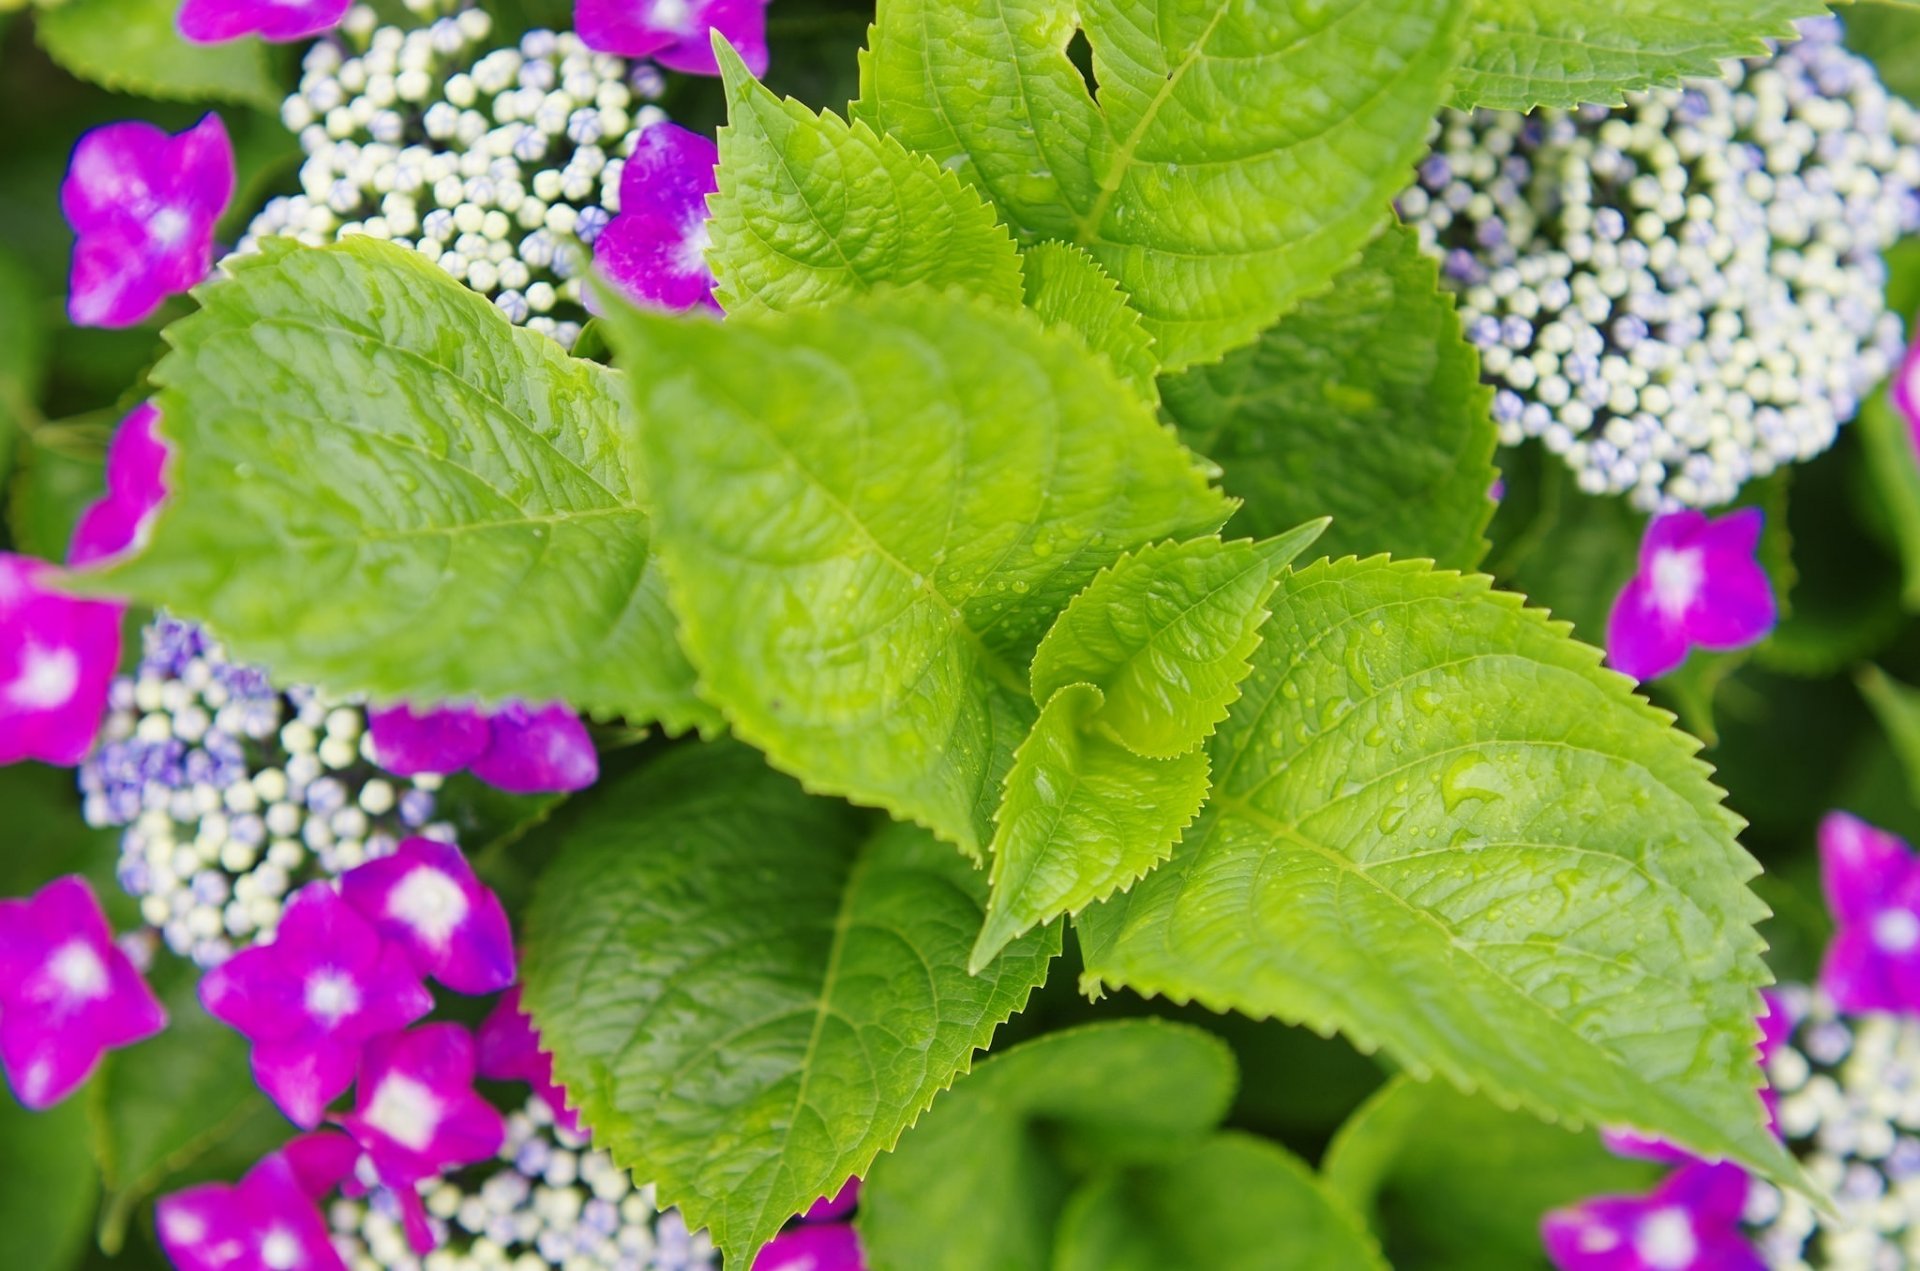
823, 1247
269, 1222
136, 485
68, 993
416, 1113
142, 205
509, 1050
57, 658
655, 249
313, 998
214, 21
518, 748
1691, 1222
425, 898
1698, 586
678, 34
1872, 884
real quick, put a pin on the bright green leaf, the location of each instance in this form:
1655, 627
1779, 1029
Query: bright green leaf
869, 517
1234, 1203
811, 210
1893, 467
1456, 1183
1364, 403
1238, 156
1081, 818
382, 486
1068, 289
48, 1185
1438, 825
1527, 53
981, 1179
749, 992
132, 46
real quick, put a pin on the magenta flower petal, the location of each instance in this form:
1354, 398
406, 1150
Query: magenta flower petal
1698, 586
538, 750
321, 1161
199, 1228
509, 1050
655, 249
310, 1000
1872, 884
214, 21
1906, 391
57, 658
1643, 1147
826, 1247
408, 741
1736, 597
425, 898
69, 993
1639, 642
836, 1206
1858, 862
111, 283
417, 1115
1691, 1222
742, 22
269, 1222
136, 483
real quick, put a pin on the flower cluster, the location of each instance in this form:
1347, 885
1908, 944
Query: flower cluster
1686, 292
502, 166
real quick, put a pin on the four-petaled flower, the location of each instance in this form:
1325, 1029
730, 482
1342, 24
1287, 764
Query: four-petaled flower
1691, 1222
312, 999
518, 748
57, 658
1872, 884
416, 1113
269, 1222
68, 994
1698, 586
509, 1050
215, 21
655, 251
142, 205
425, 898
678, 34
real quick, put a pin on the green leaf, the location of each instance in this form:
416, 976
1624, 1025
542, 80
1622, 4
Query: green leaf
47, 1185
1887, 449
749, 992
810, 211
1527, 53
1082, 816
1364, 403
867, 535
1068, 289
1897, 707
382, 486
981, 1180
1234, 1203
1456, 1182
132, 46
1165, 633
1238, 156
1439, 826
23, 355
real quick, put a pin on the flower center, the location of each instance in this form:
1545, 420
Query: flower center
429, 902
331, 996
1664, 1240
691, 258
1677, 576
47, 678
673, 15
1896, 930
405, 1111
168, 226
79, 970
280, 1251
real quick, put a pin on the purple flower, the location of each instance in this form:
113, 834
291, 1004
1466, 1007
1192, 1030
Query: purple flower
836, 1206
142, 205
269, 1222
136, 463
1872, 884
518, 748
417, 1115
57, 658
825, 1247
1691, 1222
68, 993
509, 1050
425, 898
213, 21
675, 33
1698, 586
655, 250
312, 999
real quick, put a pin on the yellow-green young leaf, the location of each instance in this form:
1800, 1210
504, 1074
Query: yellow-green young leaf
1233, 1203
749, 992
1527, 53
870, 516
1364, 404
380, 485
980, 1181
1068, 289
133, 46
1238, 156
1081, 818
1165, 634
811, 210
1440, 826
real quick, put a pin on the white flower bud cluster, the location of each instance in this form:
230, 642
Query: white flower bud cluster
1685, 293
233, 793
549, 1201
1849, 1090
501, 167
